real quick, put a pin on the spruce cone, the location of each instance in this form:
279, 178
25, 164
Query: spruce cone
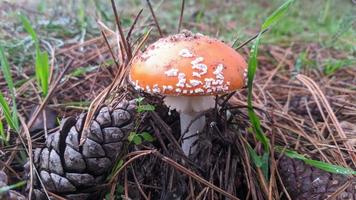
304, 182
73, 171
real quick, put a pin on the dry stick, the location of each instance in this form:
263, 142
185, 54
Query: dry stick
8, 167
154, 18
133, 25
138, 184
119, 78
113, 189
301, 131
56, 196
126, 186
117, 19
186, 171
247, 169
176, 166
49, 95
96, 102
312, 86
280, 64
181, 16
110, 49
283, 186
29, 152
137, 155
249, 40
341, 189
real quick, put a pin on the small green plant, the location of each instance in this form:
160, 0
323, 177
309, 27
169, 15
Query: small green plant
330, 67
135, 137
143, 107
138, 138
41, 57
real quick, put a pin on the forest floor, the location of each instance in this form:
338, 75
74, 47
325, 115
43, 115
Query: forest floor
304, 89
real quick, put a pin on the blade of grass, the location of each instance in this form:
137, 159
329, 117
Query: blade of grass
6, 109
276, 15
10, 187
41, 58
42, 69
261, 162
336, 169
2, 132
29, 29
252, 67
5, 68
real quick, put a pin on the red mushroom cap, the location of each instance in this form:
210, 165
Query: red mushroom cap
188, 65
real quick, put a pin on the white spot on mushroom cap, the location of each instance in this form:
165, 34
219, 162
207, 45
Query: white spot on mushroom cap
185, 53
148, 89
156, 89
167, 87
195, 83
203, 69
199, 90
181, 80
219, 71
171, 72
196, 74
197, 60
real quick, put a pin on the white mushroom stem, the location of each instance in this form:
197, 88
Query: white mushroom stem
189, 107
190, 137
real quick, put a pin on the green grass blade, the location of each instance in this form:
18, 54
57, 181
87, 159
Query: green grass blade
5, 68
336, 169
254, 156
42, 61
10, 187
252, 67
261, 162
6, 110
42, 70
29, 29
276, 15
2, 132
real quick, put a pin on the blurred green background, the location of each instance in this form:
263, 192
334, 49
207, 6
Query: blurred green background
327, 23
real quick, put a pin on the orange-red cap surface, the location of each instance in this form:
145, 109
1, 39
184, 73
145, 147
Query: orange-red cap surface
188, 65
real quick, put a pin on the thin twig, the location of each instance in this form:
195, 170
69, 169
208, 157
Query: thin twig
49, 95
138, 184
181, 16
110, 50
133, 25
118, 23
186, 171
29, 152
249, 40
154, 18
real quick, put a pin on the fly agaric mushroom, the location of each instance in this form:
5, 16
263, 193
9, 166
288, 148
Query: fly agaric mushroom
189, 69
